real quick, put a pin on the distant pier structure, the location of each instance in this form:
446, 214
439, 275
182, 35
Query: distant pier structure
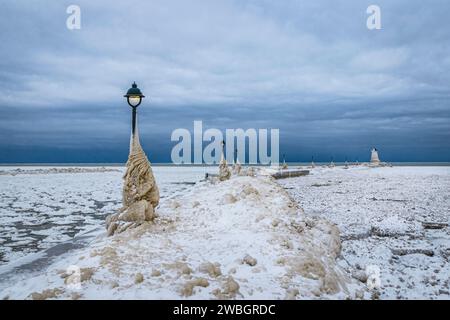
290, 174
375, 160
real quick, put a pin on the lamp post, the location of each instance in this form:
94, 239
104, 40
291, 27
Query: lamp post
140, 194
134, 98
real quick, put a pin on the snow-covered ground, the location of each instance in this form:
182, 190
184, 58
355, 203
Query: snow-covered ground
42, 206
246, 238
243, 238
380, 213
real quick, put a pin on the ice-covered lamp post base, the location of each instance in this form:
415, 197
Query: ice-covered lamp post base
224, 171
140, 194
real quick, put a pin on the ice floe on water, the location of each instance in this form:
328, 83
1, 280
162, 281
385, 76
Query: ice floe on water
42, 206
15, 171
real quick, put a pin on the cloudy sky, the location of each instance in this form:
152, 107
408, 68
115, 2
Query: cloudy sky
310, 68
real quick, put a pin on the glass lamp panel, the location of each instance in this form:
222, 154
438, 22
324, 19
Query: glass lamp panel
134, 100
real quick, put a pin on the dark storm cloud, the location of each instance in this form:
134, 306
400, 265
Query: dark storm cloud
310, 68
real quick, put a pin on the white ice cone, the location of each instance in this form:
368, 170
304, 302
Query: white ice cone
374, 156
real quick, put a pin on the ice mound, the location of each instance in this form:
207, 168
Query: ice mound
256, 244
140, 192
394, 226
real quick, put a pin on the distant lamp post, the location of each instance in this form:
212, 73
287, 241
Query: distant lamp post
284, 166
224, 172
134, 98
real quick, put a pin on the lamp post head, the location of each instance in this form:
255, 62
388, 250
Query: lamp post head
134, 96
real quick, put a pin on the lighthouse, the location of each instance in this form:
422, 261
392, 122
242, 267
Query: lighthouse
374, 159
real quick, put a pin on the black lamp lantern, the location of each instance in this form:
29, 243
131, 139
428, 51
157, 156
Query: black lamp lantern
134, 98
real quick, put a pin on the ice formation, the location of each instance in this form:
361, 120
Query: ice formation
243, 238
140, 194
413, 260
237, 167
206, 232
224, 171
284, 165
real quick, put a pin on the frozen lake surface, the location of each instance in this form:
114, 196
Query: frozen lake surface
382, 214
44, 206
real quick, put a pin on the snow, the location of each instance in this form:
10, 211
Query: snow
335, 234
243, 238
380, 212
